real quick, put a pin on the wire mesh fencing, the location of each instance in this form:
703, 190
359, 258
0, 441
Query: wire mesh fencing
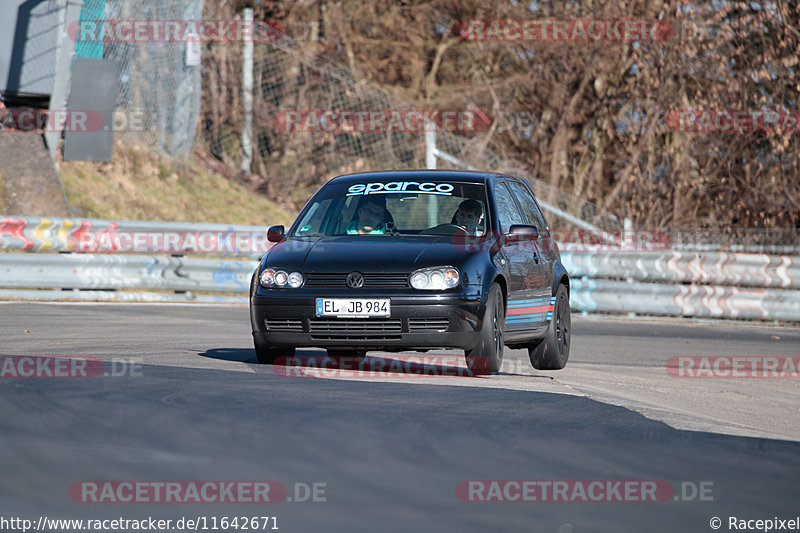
271, 107
275, 110
158, 103
313, 119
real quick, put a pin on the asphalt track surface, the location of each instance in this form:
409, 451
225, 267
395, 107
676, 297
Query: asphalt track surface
389, 449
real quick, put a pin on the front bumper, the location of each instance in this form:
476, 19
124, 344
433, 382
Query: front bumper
281, 318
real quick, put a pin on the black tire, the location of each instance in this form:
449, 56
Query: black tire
267, 354
487, 355
552, 352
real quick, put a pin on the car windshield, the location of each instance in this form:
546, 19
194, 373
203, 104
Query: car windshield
375, 207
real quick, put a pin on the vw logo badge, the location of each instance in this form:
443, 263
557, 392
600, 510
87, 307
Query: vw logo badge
355, 280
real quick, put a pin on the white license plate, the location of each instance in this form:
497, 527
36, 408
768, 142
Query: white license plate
353, 307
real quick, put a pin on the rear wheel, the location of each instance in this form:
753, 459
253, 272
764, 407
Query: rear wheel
487, 355
552, 352
268, 354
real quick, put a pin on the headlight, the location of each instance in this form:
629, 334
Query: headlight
267, 277
295, 279
280, 279
434, 279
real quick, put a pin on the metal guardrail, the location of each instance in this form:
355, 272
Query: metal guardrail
666, 282
690, 284
138, 272
670, 266
702, 301
117, 296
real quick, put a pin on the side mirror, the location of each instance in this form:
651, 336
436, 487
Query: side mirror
275, 234
521, 233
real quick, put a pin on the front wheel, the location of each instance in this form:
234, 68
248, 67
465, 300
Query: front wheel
487, 355
552, 352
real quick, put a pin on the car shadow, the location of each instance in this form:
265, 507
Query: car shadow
241, 355
248, 355
312, 361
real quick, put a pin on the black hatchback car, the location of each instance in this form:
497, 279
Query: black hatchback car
415, 260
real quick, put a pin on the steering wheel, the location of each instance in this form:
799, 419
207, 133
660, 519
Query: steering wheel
447, 229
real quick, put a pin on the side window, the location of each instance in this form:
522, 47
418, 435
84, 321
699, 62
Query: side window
529, 206
312, 221
507, 210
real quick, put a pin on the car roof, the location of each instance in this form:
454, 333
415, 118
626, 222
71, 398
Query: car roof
428, 175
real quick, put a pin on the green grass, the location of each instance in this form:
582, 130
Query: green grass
139, 186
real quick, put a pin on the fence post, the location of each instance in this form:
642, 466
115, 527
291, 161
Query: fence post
430, 146
247, 83
65, 49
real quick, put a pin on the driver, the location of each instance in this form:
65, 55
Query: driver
371, 217
468, 215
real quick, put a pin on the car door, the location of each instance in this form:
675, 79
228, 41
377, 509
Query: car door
544, 245
527, 305
539, 254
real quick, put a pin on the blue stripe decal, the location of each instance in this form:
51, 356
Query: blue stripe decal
520, 321
529, 318
526, 303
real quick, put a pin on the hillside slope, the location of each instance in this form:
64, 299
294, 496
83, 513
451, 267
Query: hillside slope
141, 186
28, 180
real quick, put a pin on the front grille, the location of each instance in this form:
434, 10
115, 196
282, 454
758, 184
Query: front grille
326, 280
386, 280
355, 329
283, 324
370, 280
420, 325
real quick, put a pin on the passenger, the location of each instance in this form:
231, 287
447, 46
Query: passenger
468, 216
371, 216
